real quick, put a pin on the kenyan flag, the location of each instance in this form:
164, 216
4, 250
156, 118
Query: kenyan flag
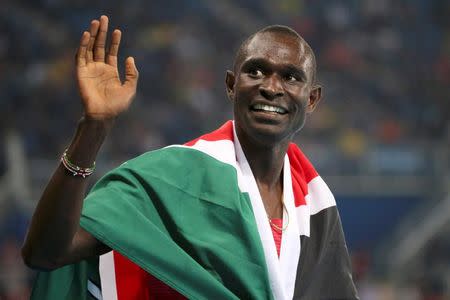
192, 217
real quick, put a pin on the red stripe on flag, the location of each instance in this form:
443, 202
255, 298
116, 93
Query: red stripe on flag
135, 283
302, 172
131, 280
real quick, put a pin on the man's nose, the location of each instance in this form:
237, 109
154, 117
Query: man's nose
271, 88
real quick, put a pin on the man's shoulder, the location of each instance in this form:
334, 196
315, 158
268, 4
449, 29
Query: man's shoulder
177, 158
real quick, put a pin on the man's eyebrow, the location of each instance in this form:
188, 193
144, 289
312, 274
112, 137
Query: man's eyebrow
296, 71
260, 62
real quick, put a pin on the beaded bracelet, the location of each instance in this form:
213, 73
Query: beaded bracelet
74, 169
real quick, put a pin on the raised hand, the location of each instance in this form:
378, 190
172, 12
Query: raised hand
57, 216
103, 94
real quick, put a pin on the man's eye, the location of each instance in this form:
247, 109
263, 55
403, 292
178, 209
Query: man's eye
291, 78
255, 73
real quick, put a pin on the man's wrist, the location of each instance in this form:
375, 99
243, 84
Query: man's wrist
90, 135
97, 124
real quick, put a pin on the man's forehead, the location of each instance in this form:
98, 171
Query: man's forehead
276, 46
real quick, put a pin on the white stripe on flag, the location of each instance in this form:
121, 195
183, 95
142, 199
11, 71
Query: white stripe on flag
290, 242
94, 290
222, 150
320, 196
108, 276
247, 183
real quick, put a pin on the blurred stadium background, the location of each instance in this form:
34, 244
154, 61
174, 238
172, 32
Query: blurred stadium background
380, 137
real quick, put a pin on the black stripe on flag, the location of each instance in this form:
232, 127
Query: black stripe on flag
324, 269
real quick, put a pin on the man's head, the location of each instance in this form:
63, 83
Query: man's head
275, 29
273, 85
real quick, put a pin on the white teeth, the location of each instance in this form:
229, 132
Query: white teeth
269, 108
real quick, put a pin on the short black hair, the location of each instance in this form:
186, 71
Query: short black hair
282, 29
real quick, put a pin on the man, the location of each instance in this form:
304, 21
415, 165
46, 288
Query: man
238, 213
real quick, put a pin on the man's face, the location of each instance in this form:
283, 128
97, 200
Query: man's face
272, 89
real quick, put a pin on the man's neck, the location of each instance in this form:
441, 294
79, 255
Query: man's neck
266, 161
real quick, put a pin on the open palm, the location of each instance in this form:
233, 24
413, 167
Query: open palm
102, 92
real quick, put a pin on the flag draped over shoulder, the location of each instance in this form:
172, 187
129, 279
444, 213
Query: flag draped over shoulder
191, 215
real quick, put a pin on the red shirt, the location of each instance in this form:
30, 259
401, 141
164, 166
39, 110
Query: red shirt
277, 233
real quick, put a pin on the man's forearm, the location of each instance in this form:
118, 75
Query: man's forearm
56, 218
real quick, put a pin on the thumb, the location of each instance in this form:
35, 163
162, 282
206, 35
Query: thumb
131, 72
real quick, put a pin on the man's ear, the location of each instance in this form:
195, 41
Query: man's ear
229, 82
314, 97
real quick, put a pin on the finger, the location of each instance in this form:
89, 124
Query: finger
131, 73
82, 49
100, 41
93, 30
114, 48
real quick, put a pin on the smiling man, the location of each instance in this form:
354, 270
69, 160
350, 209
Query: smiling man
275, 73
272, 90
238, 213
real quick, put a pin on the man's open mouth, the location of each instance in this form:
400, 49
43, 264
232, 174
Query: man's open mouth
268, 108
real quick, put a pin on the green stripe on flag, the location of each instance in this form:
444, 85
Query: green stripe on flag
179, 214
68, 282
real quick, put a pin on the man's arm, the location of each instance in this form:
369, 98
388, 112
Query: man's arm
54, 237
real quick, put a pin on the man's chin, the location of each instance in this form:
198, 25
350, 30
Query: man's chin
267, 134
